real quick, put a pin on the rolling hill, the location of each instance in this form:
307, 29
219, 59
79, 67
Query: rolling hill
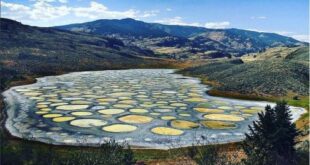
18, 40
133, 28
293, 54
266, 75
125, 27
188, 41
27, 50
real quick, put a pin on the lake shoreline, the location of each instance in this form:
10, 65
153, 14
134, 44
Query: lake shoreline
142, 154
166, 148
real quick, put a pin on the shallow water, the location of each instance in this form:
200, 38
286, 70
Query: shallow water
152, 108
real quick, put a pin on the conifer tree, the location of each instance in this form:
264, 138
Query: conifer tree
285, 135
271, 139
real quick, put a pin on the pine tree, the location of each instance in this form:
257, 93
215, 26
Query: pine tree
285, 136
258, 143
271, 139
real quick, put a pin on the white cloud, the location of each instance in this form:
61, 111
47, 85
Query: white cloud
150, 13
97, 10
48, 13
177, 21
14, 7
168, 9
302, 37
15, 11
63, 1
40, 10
45, 11
299, 37
180, 21
217, 25
285, 33
258, 17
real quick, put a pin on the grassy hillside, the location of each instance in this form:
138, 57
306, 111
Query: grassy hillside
262, 78
300, 55
290, 53
238, 42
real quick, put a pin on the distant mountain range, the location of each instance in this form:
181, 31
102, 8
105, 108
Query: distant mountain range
27, 50
133, 28
129, 38
184, 41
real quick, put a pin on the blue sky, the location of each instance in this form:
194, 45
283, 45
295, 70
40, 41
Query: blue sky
286, 17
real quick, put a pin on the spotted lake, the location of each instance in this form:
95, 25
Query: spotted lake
151, 108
